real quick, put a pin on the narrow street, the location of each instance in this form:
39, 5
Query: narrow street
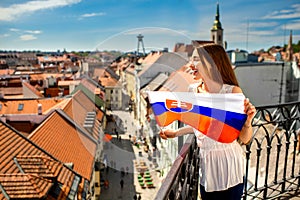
124, 157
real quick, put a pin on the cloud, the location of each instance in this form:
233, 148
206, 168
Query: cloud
92, 15
25, 34
262, 32
33, 31
27, 37
14, 29
262, 24
295, 25
4, 35
15, 11
292, 13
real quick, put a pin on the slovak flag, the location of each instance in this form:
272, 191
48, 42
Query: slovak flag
218, 116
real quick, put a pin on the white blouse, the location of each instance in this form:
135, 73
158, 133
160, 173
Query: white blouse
221, 164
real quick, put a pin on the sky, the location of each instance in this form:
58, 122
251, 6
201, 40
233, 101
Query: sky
88, 25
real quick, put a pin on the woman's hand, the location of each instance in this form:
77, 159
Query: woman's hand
250, 111
167, 133
246, 132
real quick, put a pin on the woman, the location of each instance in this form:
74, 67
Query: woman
221, 164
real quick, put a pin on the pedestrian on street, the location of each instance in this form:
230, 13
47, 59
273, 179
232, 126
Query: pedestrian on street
122, 183
135, 197
117, 133
106, 184
139, 197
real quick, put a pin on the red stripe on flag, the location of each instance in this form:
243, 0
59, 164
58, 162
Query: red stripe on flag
212, 128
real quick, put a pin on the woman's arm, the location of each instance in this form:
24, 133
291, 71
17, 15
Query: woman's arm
170, 133
246, 132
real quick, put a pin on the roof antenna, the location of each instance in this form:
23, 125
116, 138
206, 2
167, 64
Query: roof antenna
247, 34
284, 33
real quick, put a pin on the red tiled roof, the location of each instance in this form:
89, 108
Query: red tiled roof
179, 80
37, 76
149, 61
53, 58
6, 91
78, 108
43, 76
100, 72
62, 103
15, 148
184, 48
60, 137
88, 85
69, 82
108, 81
39, 165
25, 186
6, 71
33, 90
151, 58
30, 106
91, 87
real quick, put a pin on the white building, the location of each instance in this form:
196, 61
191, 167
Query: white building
268, 83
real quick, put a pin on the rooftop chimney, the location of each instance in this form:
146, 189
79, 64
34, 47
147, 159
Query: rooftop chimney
40, 110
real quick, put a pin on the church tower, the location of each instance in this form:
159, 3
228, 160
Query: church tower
217, 30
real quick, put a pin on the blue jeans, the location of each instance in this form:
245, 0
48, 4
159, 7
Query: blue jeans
233, 193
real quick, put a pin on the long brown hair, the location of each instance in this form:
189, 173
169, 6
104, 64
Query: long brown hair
221, 59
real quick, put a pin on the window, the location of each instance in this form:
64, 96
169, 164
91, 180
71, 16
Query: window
20, 107
74, 188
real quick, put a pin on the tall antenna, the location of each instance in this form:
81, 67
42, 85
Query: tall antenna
140, 40
247, 34
284, 33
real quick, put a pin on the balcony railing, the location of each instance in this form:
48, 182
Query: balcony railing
271, 157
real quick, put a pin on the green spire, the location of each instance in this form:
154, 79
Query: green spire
217, 24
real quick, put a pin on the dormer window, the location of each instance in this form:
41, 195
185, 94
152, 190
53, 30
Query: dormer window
20, 107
